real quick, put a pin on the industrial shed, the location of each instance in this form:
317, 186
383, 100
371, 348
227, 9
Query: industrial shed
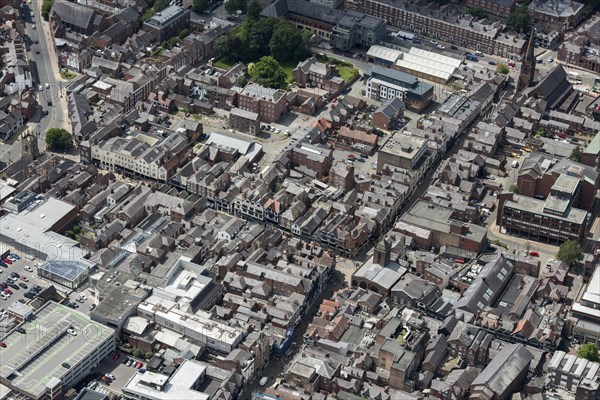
428, 65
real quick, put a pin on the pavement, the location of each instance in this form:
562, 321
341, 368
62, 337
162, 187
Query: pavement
45, 71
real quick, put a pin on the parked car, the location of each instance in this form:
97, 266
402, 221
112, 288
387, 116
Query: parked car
263, 381
2, 344
92, 306
130, 362
24, 278
8, 261
66, 365
459, 260
15, 275
454, 47
491, 62
20, 330
28, 268
12, 285
15, 256
139, 365
116, 356
8, 291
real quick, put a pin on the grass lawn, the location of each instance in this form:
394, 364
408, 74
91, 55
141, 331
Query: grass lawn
288, 67
223, 64
346, 72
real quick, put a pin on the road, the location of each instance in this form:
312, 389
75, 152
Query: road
44, 71
277, 366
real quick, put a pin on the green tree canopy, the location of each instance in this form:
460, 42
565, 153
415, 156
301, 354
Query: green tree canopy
267, 72
575, 154
589, 351
46, 8
254, 10
288, 43
518, 20
199, 5
514, 189
233, 5
184, 33
570, 252
58, 139
160, 5
502, 69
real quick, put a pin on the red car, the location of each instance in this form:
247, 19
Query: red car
24, 278
534, 254
139, 365
2, 344
460, 261
3, 285
8, 261
116, 356
8, 291
351, 156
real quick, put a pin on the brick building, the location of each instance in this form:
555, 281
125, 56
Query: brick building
268, 103
167, 23
244, 121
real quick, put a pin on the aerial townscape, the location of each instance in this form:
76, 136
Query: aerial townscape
299, 199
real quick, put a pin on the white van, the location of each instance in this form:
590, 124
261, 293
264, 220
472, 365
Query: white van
479, 53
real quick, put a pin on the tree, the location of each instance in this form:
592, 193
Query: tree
199, 5
267, 72
229, 46
514, 189
137, 352
589, 351
570, 252
160, 5
58, 139
184, 33
502, 69
477, 12
46, 8
254, 10
149, 355
173, 41
288, 43
518, 20
233, 5
575, 154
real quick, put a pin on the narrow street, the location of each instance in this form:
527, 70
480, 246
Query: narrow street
277, 366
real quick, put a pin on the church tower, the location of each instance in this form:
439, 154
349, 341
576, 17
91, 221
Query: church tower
528, 66
29, 146
382, 253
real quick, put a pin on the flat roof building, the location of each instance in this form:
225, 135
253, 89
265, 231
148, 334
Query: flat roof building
217, 336
193, 380
382, 83
550, 220
586, 312
402, 151
167, 23
38, 358
35, 230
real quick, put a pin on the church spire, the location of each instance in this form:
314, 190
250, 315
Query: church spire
528, 66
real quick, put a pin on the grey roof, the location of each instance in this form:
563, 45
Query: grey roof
391, 107
487, 286
500, 374
166, 16
74, 14
280, 8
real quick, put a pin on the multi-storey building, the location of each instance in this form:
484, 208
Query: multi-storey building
561, 14
402, 151
382, 84
137, 157
501, 8
446, 24
312, 160
552, 220
357, 29
244, 121
328, 3
268, 103
167, 23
